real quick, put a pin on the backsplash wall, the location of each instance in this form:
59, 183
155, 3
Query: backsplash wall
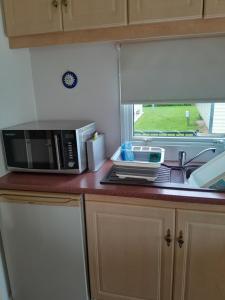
96, 96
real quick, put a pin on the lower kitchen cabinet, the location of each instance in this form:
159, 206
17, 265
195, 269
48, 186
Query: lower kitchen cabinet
129, 257
131, 249
200, 262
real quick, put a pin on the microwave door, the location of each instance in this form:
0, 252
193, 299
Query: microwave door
15, 148
42, 152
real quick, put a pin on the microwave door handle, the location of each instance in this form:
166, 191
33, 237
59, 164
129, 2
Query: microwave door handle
57, 151
28, 151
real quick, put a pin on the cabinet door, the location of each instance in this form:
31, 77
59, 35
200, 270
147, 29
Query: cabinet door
84, 14
200, 263
214, 8
128, 256
146, 11
26, 17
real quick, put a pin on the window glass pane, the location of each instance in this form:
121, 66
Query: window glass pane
190, 120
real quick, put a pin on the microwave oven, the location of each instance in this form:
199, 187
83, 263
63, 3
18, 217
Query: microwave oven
47, 146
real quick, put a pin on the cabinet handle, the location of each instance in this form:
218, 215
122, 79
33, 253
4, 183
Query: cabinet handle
55, 3
65, 3
180, 239
168, 238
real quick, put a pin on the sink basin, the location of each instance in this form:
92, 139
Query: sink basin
189, 170
173, 177
182, 174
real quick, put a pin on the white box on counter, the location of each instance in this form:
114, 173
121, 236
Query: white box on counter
96, 152
210, 175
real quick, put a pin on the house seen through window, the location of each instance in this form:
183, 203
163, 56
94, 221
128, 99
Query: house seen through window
177, 120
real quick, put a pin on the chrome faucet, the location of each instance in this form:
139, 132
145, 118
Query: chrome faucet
183, 155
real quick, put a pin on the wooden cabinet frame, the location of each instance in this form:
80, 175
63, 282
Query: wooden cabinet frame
154, 31
198, 244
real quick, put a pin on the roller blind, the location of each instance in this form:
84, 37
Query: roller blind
187, 70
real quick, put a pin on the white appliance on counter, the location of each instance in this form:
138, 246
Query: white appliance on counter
44, 251
211, 174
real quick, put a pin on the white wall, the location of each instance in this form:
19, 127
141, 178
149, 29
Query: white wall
16, 102
16, 87
205, 112
95, 98
219, 118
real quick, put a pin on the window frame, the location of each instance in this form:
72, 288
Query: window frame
127, 129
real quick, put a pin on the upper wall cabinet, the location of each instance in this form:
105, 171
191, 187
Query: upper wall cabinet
214, 8
85, 14
147, 11
26, 17
35, 23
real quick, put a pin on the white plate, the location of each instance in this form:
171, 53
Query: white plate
136, 177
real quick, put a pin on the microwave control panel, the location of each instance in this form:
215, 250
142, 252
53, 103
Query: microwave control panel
70, 150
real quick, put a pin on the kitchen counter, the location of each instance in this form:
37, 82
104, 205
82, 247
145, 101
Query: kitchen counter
89, 183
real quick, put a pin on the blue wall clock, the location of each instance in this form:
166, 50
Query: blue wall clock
69, 80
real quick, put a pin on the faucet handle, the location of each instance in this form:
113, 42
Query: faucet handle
182, 155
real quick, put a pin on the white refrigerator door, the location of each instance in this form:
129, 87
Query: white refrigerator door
44, 251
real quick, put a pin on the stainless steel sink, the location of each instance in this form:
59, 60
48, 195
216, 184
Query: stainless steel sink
181, 174
169, 176
189, 170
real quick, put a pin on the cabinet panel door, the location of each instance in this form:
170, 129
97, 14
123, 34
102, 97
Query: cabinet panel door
200, 263
128, 256
146, 11
26, 17
84, 14
214, 8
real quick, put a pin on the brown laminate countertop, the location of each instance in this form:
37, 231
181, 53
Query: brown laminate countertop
89, 183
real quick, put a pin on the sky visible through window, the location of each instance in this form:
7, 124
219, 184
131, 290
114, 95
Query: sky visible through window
201, 119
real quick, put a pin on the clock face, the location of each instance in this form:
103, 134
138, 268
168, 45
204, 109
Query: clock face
69, 80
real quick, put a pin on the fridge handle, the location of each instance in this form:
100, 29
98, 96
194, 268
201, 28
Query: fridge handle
38, 199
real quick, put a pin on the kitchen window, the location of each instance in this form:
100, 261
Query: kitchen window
173, 92
174, 121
